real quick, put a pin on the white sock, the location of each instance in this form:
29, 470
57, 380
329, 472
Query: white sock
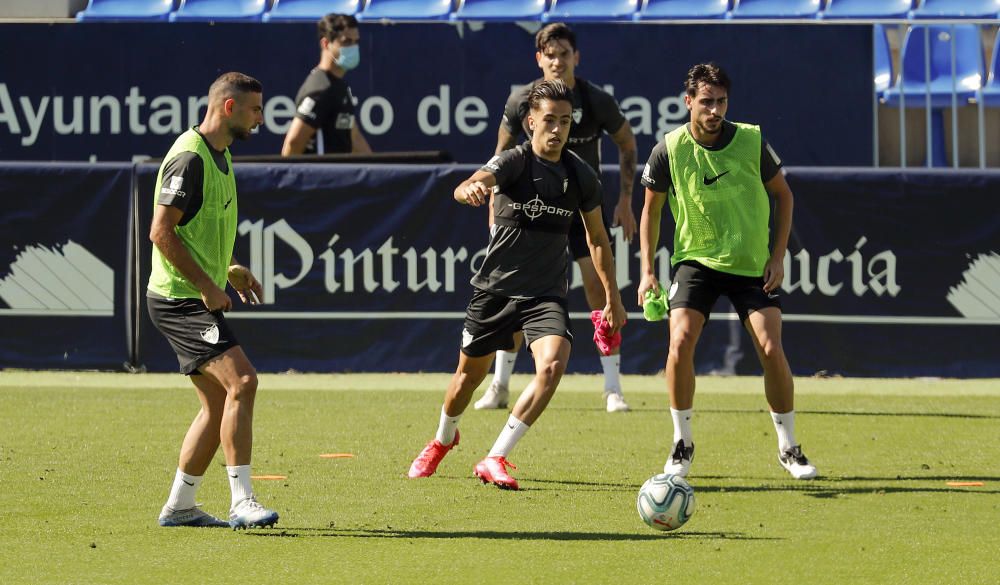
182, 492
509, 436
239, 482
784, 425
611, 365
682, 425
447, 428
505, 367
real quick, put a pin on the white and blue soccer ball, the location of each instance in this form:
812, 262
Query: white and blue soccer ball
666, 502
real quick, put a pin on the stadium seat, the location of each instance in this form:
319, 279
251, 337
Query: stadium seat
957, 9
500, 10
216, 10
882, 59
776, 9
915, 85
310, 9
990, 93
671, 9
109, 10
969, 66
576, 10
406, 10
867, 8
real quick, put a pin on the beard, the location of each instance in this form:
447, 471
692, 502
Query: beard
239, 133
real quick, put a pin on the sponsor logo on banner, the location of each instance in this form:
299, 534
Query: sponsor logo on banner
978, 295
67, 280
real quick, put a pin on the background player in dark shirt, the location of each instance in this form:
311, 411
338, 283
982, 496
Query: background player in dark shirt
595, 112
324, 116
521, 285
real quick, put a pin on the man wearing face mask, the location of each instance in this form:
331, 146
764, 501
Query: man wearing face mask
324, 116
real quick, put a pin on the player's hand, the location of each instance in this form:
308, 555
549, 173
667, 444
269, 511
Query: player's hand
648, 282
614, 314
774, 274
216, 299
625, 218
246, 285
476, 193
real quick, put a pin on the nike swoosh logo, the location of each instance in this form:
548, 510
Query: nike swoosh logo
714, 179
510, 426
187, 482
226, 206
234, 476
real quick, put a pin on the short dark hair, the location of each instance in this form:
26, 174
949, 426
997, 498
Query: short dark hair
229, 84
556, 31
553, 90
330, 26
709, 73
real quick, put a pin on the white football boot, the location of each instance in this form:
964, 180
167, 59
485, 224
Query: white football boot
496, 396
615, 402
247, 513
796, 463
680, 460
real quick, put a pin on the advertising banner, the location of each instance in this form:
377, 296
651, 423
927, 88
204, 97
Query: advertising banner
63, 265
114, 91
367, 269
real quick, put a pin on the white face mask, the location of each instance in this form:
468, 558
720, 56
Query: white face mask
350, 56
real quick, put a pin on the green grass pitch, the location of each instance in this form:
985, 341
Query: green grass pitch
86, 461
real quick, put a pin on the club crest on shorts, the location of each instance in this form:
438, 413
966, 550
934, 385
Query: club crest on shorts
466, 338
577, 115
211, 335
673, 291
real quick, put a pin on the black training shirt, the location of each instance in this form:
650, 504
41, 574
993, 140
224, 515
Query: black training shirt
325, 102
525, 261
595, 111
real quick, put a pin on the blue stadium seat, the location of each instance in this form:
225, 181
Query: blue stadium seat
406, 10
576, 10
671, 9
310, 9
217, 10
108, 10
990, 94
968, 66
776, 9
867, 8
500, 10
883, 73
957, 9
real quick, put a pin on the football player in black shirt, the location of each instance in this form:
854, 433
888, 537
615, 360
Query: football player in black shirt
537, 189
595, 112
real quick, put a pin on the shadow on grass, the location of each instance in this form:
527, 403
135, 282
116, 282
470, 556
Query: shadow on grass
830, 487
501, 535
958, 415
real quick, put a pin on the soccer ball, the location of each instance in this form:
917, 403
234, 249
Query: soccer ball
665, 502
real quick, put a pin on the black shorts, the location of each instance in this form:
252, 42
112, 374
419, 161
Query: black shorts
196, 335
492, 320
698, 287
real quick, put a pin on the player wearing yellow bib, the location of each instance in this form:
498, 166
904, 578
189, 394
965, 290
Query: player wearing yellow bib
717, 176
193, 232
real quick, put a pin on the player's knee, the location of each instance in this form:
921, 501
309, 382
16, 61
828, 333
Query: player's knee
244, 387
771, 350
551, 370
682, 342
